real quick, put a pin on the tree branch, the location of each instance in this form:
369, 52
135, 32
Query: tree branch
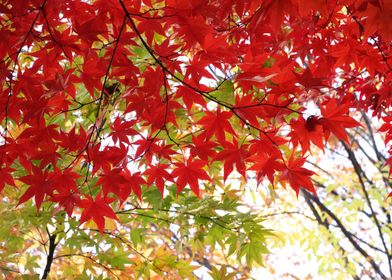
91, 259
49, 259
359, 171
346, 233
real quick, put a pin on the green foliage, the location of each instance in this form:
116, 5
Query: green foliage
165, 237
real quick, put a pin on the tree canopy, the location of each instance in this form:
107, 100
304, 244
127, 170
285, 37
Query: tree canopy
114, 109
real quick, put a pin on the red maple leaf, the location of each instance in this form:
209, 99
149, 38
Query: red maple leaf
107, 157
91, 28
217, 124
6, 177
378, 19
245, 107
113, 181
189, 173
335, 119
159, 175
67, 200
135, 182
147, 147
96, 209
150, 28
232, 155
71, 141
193, 29
64, 180
121, 130
120, 182
266, 164
202, 148
298, 176
307, 131
40, 185
190, 97
308, 80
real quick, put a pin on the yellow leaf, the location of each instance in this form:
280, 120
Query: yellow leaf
16, 130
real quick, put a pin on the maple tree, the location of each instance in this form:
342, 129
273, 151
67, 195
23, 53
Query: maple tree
103, 101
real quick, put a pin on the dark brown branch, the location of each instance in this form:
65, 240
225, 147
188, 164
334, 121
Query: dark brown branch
320, 168
354, 139
357, 167
49, 258
197, 258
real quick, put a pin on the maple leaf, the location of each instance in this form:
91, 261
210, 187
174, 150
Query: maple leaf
298, 176
378, 19
40, 184
60, 83
159, 175
64, 180
190, 97
121, 130
71, 141
308, 80
370, 58
106, 158
96, 209
6, 177
346, 52
148, 147
90, 29
189, 173
113, 181
246, 109
306, 132
217, 124
232, 155
193, 29
135, 182
151, 27
203, 148
266, 157
335, 119
121, 182
47, 155
266, 144
67, 200
93, 70
266, 164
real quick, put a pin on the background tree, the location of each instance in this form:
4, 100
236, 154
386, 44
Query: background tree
116, 107
345, 230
